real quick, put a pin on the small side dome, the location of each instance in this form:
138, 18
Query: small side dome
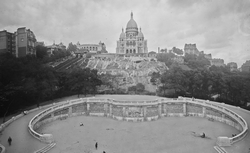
140, 34
122, 35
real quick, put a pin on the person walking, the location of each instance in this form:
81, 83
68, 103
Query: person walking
96, 145
9, 141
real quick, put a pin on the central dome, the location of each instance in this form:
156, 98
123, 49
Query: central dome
131, 25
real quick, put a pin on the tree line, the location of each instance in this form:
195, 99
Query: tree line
214, 83
28, 81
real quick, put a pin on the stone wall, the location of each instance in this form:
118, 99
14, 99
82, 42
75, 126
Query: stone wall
79, 108
174, 108
194, 108
96, 108
213, 112
142, 111
117, 110
152, 111
61, 111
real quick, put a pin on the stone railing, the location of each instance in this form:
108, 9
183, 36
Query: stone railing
5, 124
238, 122
223, 114
137, 111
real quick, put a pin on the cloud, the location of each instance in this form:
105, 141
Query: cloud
218, 27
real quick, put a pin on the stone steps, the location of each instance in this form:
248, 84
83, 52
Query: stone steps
46, 148
220, 149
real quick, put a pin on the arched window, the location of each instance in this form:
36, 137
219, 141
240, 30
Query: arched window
127, 51
134, 51
130, 50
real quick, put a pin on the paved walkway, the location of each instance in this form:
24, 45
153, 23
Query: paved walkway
23, 142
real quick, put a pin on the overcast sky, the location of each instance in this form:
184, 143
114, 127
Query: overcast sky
220, 27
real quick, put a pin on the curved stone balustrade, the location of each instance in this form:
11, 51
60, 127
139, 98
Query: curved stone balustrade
2, 149
4, 125
141, 111
135, 111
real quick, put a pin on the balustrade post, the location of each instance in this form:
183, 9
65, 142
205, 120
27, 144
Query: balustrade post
105, 109
145, 113
204, 111
110, 109
88, 109
165, 109
159, 110
185, 109
88, 106
123, 111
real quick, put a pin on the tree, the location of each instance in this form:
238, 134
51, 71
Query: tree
177, 51
175, 79
196, 62
166, 58
155, 78
140, 87
71, 47
84, 80
41, 52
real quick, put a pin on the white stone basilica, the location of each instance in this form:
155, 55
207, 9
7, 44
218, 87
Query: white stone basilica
132, 41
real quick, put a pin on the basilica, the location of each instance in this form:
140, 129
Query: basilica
132, 41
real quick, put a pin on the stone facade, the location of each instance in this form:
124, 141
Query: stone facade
132, 41
25, 42
191, 49
20, 43
246, 66
7, 42
92, 48
217, 62
232, 66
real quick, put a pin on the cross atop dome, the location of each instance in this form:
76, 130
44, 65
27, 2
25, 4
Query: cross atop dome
131, 15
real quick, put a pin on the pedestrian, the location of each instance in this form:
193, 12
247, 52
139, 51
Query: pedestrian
104, 152
96, 145
203, 135
9, 141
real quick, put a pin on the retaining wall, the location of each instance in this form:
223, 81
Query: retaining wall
135, 111
141, 111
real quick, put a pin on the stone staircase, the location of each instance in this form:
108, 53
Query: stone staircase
46, 148
220, 149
